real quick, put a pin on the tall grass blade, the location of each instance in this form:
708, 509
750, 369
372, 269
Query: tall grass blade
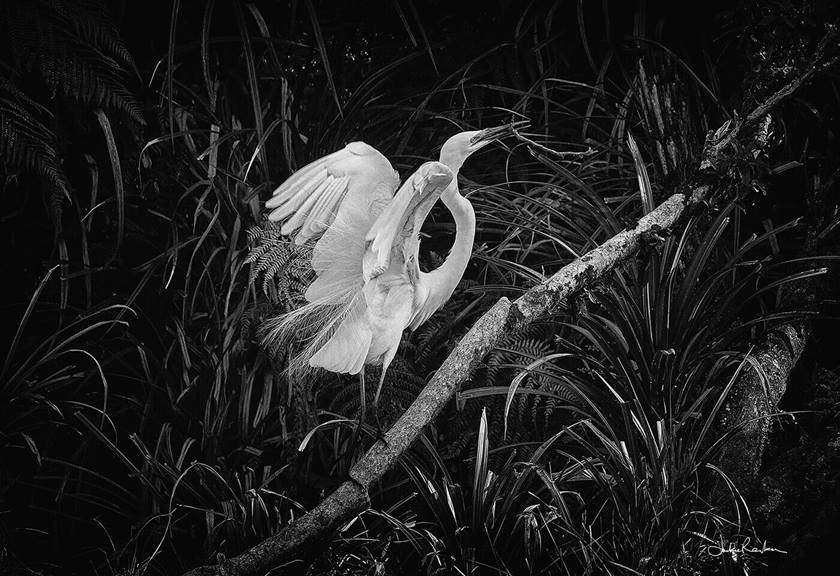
25, 320
322, 48
170, 69
119, 188
256, 104
209, 84
413, 8
642, 174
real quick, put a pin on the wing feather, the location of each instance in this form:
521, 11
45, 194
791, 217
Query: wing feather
290, 188
301, 213
322, 213
425, 304
314, 211
335, 200
398, 226
311, 198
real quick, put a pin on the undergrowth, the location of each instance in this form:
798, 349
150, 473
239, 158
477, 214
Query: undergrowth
144, 430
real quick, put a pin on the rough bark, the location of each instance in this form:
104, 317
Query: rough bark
755, 397
348, 499
351, 497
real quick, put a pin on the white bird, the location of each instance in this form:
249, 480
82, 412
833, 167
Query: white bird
369, 287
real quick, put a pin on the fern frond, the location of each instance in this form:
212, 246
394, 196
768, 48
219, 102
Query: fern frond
26, 143
532, 417
61, 43
284, 271
281, 267
93, 23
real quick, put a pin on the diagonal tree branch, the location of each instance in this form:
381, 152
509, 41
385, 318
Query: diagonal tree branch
505, 316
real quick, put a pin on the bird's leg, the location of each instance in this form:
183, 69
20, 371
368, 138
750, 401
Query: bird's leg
354, 438
362, 402
379, 431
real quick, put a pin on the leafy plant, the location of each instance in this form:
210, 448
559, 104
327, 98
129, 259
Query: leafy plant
657, 354
179, 436
78, 53
52, 389
482, 525
25, 141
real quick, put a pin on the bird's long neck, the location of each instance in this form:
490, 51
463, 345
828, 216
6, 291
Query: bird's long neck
449, 273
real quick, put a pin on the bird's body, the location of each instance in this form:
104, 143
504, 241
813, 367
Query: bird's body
368, 286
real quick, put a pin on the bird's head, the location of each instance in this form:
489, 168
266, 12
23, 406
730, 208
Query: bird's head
461, 145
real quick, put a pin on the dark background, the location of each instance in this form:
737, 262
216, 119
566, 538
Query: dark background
81, 494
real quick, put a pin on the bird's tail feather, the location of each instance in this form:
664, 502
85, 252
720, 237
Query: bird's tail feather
299, 334
346, 350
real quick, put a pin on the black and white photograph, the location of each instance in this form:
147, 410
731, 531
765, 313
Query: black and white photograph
420, 287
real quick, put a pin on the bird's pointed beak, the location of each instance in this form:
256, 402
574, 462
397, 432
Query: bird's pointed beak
488, 135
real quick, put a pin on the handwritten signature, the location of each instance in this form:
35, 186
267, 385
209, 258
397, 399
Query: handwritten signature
734, 548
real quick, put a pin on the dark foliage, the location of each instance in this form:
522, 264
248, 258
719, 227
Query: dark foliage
143, 428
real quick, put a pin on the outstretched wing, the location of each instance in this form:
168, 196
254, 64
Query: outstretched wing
337, 197
390, 244
397, 229
335, 200
310, 199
